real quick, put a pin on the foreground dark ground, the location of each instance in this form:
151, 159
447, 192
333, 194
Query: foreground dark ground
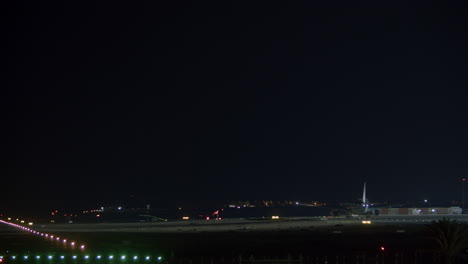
355, 243
333, 241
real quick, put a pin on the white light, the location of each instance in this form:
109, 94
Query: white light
98, 257
111, 257
86, 257
159, 258
49, 257
135, 257
74, 257
147, 258
62, 257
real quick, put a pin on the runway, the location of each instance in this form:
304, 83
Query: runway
194, 226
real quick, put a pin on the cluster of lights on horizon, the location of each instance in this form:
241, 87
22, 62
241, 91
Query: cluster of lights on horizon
49, 236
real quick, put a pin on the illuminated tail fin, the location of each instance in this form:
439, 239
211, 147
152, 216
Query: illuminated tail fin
364, 198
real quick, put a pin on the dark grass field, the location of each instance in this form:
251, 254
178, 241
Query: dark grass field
326, 239
342, 240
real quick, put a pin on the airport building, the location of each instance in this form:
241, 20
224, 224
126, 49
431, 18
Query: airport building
419, 211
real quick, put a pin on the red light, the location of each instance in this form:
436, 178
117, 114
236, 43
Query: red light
382, 248
464, 179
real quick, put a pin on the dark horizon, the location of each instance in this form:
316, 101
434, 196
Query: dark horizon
233, 101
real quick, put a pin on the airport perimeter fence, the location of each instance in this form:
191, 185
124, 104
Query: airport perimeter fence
381, 258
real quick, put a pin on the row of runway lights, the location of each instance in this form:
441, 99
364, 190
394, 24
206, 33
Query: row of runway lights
64, 241
86, 257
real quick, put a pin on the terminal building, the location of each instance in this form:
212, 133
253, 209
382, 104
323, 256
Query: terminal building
453, 210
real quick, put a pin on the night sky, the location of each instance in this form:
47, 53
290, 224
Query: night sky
205, 101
